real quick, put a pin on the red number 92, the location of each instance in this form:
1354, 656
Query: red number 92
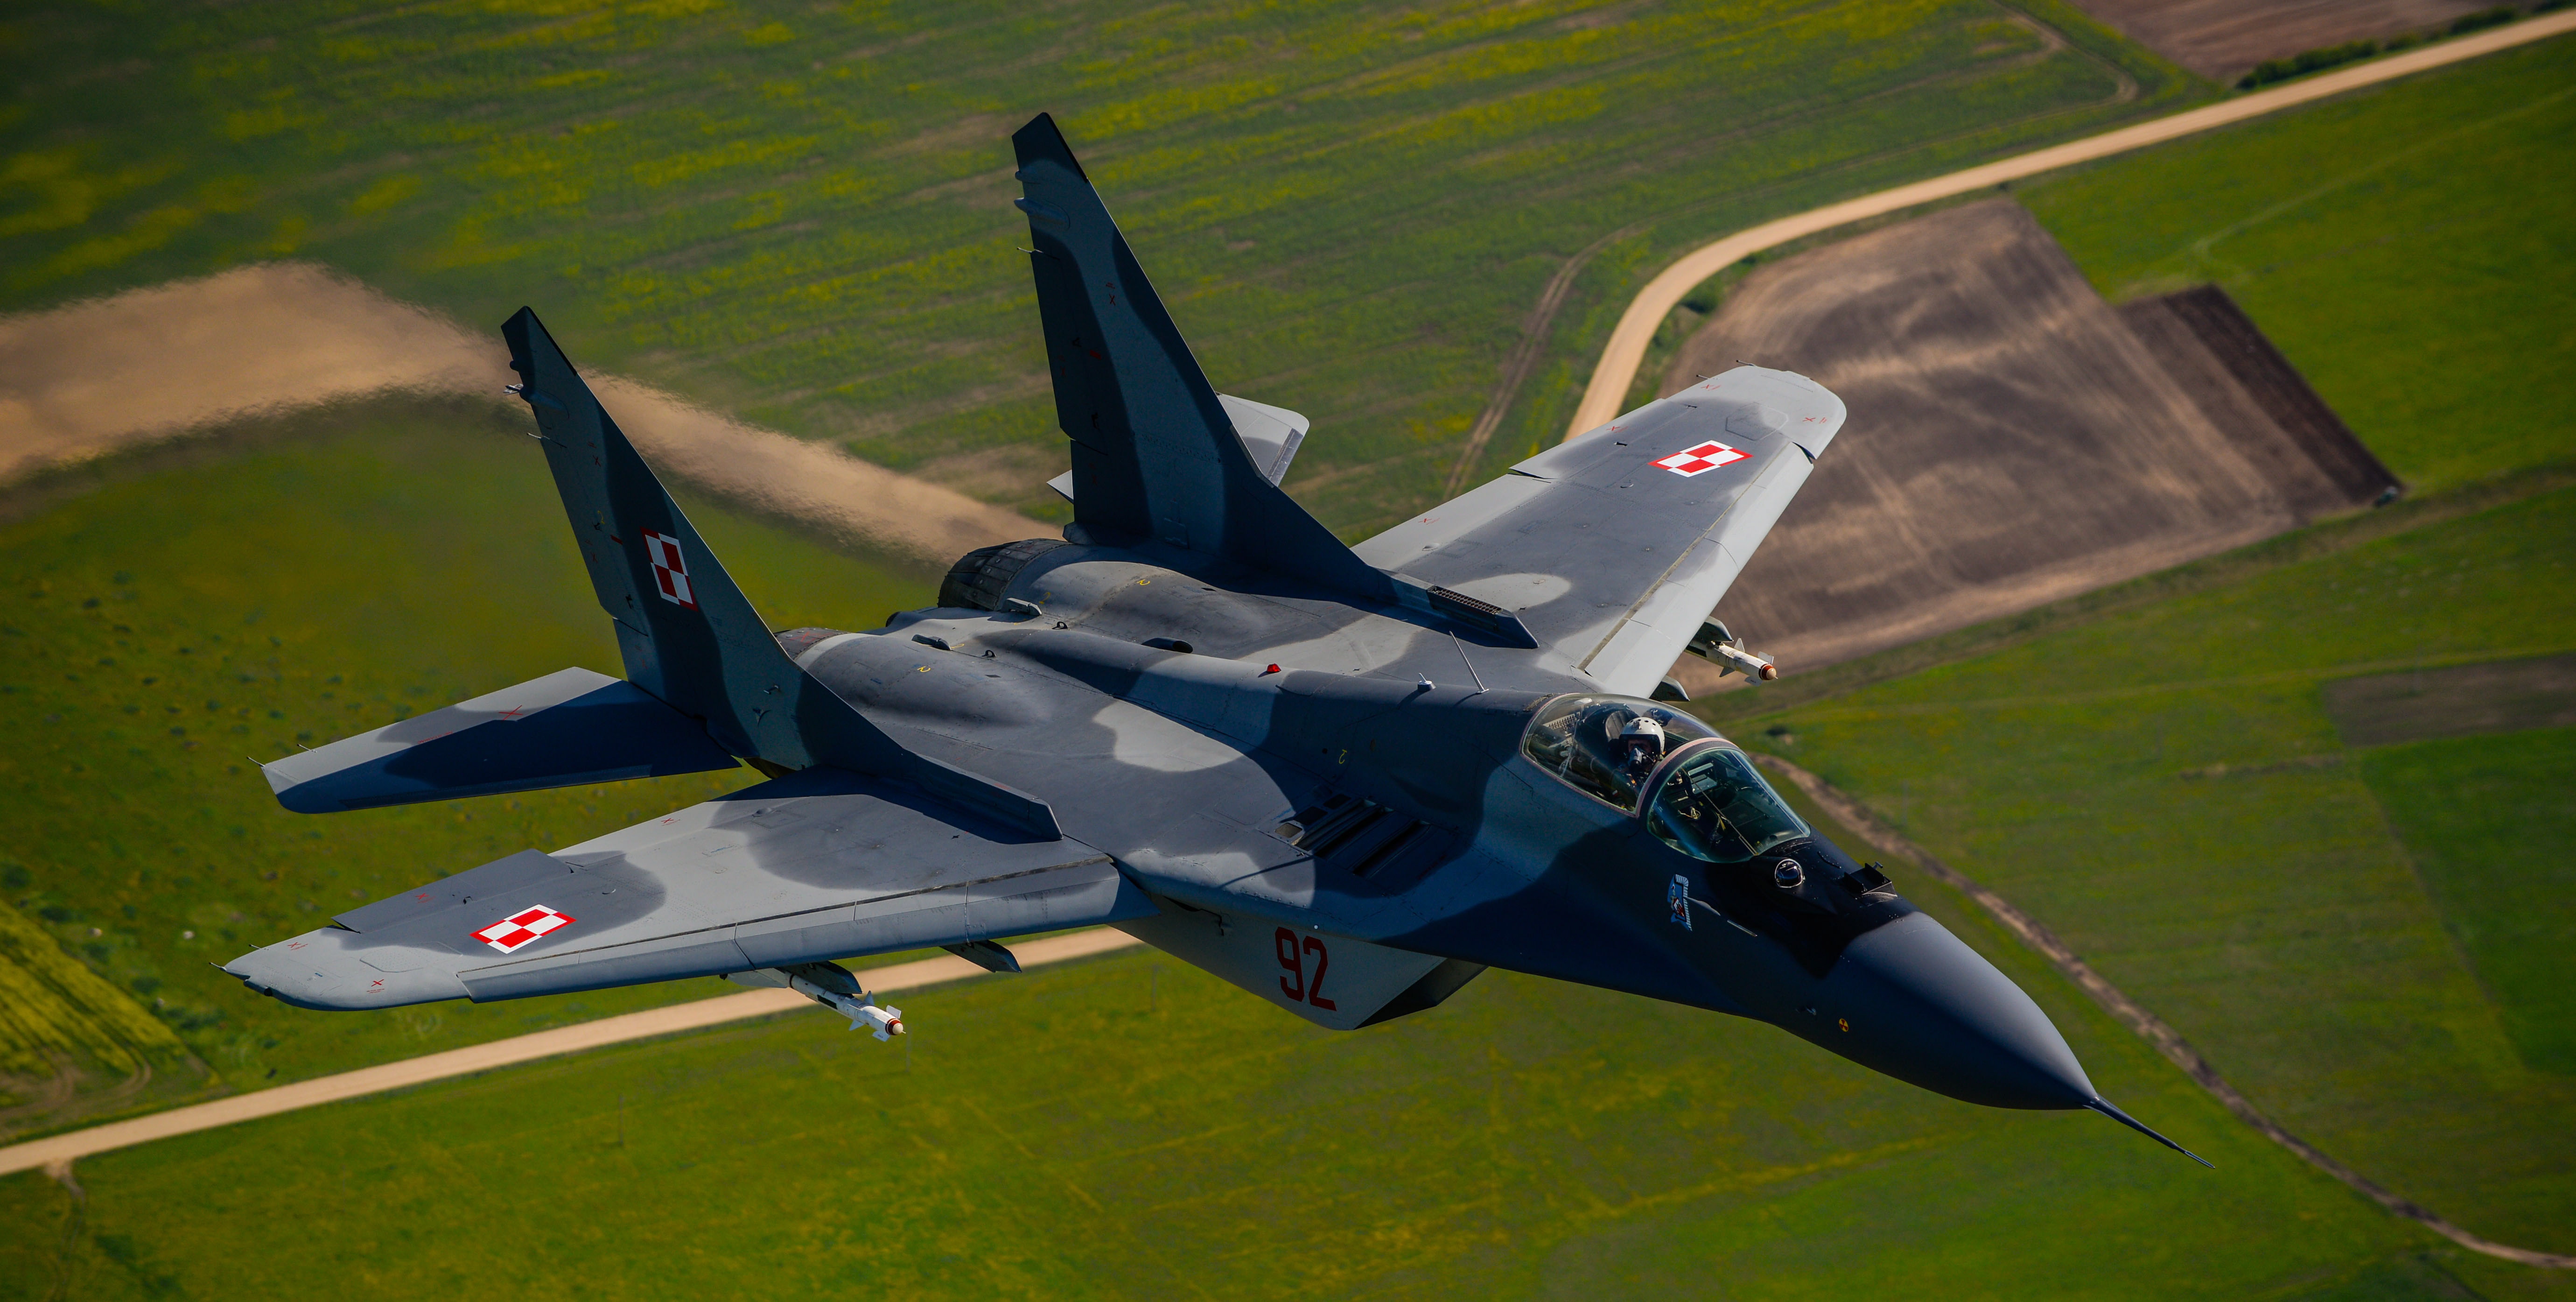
1297, 985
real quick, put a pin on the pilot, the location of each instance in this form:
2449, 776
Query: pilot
1641, 748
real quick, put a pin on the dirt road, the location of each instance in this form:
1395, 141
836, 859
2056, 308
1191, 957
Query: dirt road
1626, 350
59, 1151
87, 379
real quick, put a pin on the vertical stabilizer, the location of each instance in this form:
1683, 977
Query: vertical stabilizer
688, 635
1155, 453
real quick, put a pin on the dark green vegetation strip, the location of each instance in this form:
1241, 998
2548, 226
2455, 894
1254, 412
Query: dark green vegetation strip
1132, 1127
802, 214
2491, 823
2403, 245
207, 606
2268, 914
2419, 705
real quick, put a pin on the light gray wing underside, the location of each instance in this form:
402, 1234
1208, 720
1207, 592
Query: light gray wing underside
1612, 547
819, 865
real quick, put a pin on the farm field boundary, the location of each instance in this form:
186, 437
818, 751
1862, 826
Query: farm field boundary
1626, 351
2130, 1013
82, 381
57, 1152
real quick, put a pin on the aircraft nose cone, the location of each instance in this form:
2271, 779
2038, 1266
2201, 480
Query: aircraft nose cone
1925, 1008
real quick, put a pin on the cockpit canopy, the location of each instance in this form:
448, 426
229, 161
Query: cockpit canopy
1588, 742
1708, 802
1711, 804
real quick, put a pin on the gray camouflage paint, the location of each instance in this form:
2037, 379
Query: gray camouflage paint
972, 774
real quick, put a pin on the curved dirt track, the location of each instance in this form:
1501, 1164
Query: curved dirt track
87, 379
2130, 1013
1626, 350
57, 1152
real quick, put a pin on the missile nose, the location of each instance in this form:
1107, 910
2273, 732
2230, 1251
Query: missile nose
1921, 1006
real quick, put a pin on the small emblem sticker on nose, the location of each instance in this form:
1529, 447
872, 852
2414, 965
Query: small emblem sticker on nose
1700, 460
521, 929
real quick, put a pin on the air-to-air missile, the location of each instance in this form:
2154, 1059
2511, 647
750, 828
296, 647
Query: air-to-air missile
832, 986
1345, 778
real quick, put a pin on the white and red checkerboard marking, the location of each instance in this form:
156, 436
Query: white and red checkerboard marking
670, 570
1700, 460
517, 930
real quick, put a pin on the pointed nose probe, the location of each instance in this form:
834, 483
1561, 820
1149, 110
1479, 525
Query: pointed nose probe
1923, 1007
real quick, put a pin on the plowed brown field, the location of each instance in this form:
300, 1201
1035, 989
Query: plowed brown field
2013, 439
2220, 39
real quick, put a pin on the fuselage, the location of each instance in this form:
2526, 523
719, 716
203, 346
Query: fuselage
1105, 666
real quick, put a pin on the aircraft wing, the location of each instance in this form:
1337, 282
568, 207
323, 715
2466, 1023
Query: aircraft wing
1612, 547
818, 865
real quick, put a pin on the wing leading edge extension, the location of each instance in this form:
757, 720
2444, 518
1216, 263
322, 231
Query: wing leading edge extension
816, 866
1613, 547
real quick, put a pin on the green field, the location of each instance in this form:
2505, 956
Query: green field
71, 1045
801, 214
2489, 821
2150, 772
177, 614
1130, 1127
2404, 246
2162, 787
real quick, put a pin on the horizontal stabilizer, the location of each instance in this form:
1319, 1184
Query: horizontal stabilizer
562, 730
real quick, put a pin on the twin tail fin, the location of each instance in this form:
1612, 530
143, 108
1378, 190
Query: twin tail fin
1157, 456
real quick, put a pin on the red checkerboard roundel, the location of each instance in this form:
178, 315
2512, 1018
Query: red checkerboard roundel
522, 928
1700, 460
670, 569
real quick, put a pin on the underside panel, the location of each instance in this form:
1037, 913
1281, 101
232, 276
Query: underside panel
1332, 981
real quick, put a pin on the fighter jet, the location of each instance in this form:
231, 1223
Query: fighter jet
1345, 778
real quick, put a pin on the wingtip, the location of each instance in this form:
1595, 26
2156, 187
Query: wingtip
2108, 1109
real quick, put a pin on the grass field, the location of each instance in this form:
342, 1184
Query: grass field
197, 608
2162, 787
2156, 781
1130, 1127
802, 214
2489, 821
2402, 245
70, 1043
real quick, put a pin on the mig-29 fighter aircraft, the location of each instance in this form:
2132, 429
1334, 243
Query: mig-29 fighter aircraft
1346, 779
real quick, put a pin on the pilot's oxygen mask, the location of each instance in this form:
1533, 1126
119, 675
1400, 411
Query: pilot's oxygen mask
1608, 746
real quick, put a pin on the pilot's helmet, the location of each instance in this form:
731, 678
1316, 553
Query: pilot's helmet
1641, 728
